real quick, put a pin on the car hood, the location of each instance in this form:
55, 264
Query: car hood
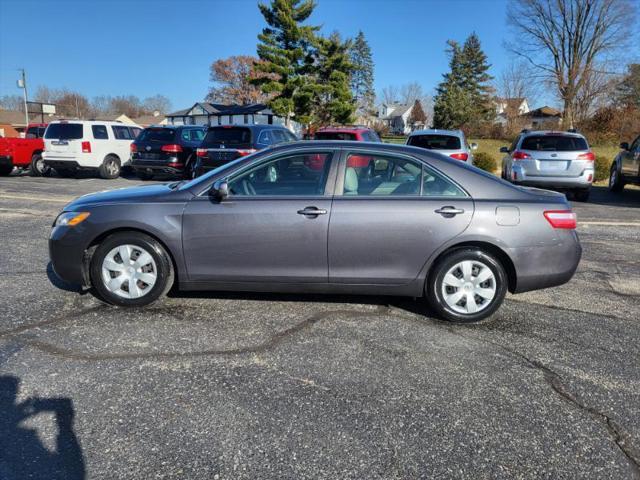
140, 194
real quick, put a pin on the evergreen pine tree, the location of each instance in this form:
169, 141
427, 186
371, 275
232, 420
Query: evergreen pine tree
475, 80
285, 50
362, 77
332, 101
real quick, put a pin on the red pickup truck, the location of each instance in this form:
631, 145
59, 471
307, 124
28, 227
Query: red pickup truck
24, 152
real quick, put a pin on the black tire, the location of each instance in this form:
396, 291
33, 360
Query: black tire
435, 285
616, 182
144, 175
190, 168
581, 195
66, 172
38, 167
5, 170
110, 168
164, 266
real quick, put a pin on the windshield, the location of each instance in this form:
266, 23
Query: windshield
159, 135
335, 136
64, 131
554, 143
435, 142
227, 136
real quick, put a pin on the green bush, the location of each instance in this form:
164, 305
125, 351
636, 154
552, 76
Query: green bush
485, 161
603, 164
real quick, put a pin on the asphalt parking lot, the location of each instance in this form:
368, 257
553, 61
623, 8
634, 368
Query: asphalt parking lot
227, 386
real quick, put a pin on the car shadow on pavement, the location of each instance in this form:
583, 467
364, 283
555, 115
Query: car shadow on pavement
629, 197
22, 453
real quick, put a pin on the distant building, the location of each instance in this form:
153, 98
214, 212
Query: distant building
205, 113
117, 117
542, 118
396, 116
510, 108
148, 120
12, 122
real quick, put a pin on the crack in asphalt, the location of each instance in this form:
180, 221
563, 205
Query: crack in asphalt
258, 348
554, 380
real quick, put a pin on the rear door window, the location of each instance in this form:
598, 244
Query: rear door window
157, 135
554, 143
435, 142
121, 133
278, 136
265, 137
64, 131
99, 132
228, 137
135, 131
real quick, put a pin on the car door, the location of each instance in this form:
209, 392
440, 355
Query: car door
271, 228
630, 164
390, 213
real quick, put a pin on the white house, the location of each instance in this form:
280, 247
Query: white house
396, 116
507, 108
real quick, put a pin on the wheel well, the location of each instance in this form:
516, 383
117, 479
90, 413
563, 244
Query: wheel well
98, 240
36, 152
496, 251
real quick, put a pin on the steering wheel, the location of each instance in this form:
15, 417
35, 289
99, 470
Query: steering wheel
248, 188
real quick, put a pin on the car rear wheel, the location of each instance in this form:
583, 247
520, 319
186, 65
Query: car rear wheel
130, 269
38, 167
616, 183
466, 285
110, 168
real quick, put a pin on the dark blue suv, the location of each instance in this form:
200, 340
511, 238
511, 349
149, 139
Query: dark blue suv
225, 143
166, 149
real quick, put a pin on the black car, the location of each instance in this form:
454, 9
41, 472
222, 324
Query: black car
225, 143
166, 149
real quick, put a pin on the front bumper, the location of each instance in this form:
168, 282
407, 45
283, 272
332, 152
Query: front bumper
67, 253
520, 177
546, 266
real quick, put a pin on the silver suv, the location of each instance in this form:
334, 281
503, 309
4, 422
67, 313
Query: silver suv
448, 142
550, 159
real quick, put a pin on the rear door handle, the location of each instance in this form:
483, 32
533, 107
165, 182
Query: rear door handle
312, 211
449, 211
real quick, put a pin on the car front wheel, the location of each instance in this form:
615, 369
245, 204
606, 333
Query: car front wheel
130, 269
466, 285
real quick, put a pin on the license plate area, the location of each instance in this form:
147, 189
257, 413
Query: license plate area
553, 165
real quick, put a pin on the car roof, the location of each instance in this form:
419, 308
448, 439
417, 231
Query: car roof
251, 127
530, 133
346, 129
202, 127
98, 122
435, 131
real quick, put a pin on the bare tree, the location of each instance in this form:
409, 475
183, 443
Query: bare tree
389, 95
12, 102
410, 92
566, 39
157, 103
515, 82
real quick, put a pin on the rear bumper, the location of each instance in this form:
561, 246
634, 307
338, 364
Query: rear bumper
520, 177
65, 165
156, 166
547, 266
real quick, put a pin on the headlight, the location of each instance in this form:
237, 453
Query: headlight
70, 219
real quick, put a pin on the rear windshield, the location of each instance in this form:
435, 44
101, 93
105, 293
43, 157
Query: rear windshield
554, 143
227, 136
435, 142
64, 131
157, 135
335, 136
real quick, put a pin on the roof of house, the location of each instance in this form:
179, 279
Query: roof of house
545, 111
16, 117
149, 119
398, 110
222, 109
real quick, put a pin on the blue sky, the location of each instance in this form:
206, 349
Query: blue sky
144, 47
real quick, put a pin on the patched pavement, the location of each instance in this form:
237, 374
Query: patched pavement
221, 385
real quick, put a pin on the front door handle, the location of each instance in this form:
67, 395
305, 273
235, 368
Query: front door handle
312, 211
449, 211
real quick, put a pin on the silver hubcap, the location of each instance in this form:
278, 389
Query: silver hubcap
129, 271
612, 179
112, 167
469, 286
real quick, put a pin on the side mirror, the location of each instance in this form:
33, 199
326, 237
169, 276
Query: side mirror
474, 146
504, 149
624, 146
219, 190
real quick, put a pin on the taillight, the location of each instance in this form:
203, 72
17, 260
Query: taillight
589, 156
518, 155
460, 156
201, 152
86, 147
172, 148
133, 148
561, 218
248, 151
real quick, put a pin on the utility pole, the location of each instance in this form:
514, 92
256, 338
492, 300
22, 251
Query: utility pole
22, 83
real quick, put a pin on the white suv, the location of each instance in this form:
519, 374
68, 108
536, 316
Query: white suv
102, 146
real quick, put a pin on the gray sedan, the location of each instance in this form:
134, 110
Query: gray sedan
330, 217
